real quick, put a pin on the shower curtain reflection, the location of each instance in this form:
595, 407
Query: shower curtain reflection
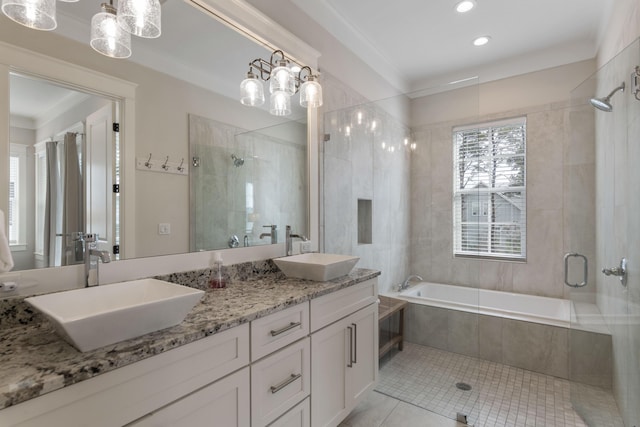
64, 202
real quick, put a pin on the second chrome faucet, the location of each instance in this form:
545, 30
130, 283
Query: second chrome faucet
289, 240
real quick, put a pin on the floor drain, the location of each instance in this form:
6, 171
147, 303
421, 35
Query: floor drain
463, 386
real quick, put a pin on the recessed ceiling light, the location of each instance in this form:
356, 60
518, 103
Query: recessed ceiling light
481, 41
465, 6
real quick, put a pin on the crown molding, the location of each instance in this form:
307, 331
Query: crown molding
243, 17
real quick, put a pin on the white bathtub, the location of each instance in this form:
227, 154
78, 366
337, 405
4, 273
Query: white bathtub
529, 308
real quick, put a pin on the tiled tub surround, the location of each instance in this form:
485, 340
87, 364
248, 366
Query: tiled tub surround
582, 356
35, 361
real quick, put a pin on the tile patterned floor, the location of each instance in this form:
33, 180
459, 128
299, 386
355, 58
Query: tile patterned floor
501, 395
379, 410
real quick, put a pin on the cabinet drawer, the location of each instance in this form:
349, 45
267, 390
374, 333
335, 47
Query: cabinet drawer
278, 330
332, 307
226, 401
298, 416
279, 381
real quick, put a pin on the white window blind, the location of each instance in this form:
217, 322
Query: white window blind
17, 231
14, 199
489, 203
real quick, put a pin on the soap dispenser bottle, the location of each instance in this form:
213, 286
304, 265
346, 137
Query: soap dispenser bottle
216, 281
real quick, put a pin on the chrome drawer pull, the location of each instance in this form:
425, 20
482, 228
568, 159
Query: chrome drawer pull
283, 384
355, 345
291, 325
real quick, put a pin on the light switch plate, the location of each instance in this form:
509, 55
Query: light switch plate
164, 228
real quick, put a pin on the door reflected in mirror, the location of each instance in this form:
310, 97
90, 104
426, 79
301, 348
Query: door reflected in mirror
63, 160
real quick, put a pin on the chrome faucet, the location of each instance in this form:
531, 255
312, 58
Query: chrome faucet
91, 253
289, 239
404, 285
273, 234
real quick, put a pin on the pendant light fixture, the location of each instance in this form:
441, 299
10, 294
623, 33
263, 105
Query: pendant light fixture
36, 14
110, 29
282, 78
310, 92
251, 90
280, 103
107, 37
283, 83
140, 17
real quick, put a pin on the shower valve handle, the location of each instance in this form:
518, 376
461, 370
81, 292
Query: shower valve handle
620, 272
615, 271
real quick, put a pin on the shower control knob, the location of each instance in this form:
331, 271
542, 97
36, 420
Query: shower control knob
615, 271
620, 272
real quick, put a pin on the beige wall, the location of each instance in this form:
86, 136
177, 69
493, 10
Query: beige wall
553, 162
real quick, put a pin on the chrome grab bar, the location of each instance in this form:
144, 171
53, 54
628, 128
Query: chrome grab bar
566, 269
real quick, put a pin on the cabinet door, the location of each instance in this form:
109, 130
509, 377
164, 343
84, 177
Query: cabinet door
363, 375
329, 358
223, 403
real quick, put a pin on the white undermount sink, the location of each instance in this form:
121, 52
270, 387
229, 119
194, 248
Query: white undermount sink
90, 318
316, 266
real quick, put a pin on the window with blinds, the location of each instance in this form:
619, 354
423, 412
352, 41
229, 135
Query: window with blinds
14, 200
17, 231
489, 197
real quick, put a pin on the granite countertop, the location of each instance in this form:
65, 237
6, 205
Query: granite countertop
34, 360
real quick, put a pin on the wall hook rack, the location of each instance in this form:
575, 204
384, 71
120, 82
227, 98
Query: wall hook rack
145, 164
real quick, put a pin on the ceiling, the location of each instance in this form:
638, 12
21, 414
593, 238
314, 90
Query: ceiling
414, 44
418, 44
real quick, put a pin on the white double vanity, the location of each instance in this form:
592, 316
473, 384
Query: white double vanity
265, 352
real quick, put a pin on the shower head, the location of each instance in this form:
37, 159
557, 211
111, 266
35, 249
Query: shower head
237, 161
604, 104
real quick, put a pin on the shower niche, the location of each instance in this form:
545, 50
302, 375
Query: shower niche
365, 228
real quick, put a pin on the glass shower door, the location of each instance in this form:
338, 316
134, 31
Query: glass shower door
603, 225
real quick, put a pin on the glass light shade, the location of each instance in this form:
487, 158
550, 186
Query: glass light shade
251, 91
282, 79
107, 37
311, 93
36, 14
141, 18
280, 103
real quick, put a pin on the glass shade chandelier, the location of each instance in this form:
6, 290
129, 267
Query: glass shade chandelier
283, 84
36, 14
107, 37
111, 29
140, 17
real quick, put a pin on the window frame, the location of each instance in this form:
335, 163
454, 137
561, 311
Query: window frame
493, 228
